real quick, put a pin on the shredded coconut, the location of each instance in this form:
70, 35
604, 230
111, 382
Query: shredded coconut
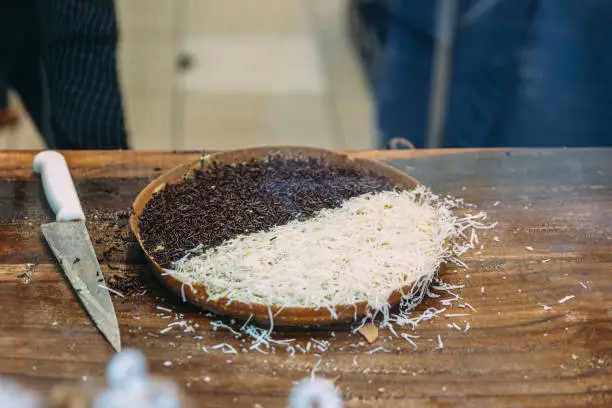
225, 348
116, 292
440, 342
469, 307
565, 299
314, 369
409, 339
368, 248
376, 350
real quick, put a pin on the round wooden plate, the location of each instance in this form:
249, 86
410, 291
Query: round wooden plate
291, 316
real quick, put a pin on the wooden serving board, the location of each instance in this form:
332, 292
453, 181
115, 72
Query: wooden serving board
554, 240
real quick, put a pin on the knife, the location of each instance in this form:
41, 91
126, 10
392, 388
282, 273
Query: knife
70, 243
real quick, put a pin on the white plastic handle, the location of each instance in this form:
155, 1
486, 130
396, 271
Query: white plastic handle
58, 186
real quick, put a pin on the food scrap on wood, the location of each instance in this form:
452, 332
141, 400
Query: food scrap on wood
369, 332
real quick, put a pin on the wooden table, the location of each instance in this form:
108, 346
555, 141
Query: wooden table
516, 354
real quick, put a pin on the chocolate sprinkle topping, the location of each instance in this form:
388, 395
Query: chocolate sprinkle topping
224, 201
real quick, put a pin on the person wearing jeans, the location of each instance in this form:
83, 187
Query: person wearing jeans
520, 73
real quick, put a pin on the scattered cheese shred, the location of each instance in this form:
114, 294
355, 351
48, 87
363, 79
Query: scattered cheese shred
469, 307
409, 338
116, 292
314, 369
565, 299
376, 350
440, 342
225, 348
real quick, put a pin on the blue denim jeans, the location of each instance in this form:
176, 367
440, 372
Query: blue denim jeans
524, 73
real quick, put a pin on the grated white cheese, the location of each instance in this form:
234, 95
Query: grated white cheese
225, 348
219, 324
116, 292
469, 307
377, 349
403, 317
314, 369
366, 249
409, 339
565, 299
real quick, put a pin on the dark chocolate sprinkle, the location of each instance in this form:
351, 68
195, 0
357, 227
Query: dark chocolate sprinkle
224, 201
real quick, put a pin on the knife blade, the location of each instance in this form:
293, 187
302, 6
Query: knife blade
70, 243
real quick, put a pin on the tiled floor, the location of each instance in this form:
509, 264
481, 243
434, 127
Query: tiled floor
258, 72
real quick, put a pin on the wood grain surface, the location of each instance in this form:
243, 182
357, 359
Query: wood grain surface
554, 240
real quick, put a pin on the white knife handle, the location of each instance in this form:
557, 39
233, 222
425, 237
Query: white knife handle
58, 186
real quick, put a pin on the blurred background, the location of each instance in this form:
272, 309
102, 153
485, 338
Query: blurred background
226, 74
338, 74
